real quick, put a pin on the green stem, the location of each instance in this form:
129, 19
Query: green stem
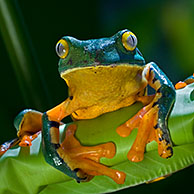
20, 51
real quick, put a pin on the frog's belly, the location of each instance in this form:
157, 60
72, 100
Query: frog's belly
101, 89
96, 110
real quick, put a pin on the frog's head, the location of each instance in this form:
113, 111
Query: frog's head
119, 49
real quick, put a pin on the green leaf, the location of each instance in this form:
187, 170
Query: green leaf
137, 173
23, 170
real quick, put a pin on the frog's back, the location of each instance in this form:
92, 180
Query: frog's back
103, 89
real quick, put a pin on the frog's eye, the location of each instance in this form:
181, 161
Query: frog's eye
62, 48
129, 41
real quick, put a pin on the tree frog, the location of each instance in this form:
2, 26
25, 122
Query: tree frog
103, 75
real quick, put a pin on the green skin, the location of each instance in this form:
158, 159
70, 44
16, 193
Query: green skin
104, 51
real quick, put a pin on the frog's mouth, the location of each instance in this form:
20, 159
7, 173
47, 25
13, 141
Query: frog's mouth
94, 67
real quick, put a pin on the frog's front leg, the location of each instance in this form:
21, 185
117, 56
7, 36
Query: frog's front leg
152, 119
70, 157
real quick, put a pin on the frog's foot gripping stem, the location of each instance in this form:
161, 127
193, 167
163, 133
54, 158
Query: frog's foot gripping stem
151, 120
26, 140
28, 123
70, 157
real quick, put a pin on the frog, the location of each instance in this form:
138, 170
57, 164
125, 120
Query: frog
102, 75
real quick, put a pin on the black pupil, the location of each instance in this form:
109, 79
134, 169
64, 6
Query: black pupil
131, 40
60, 49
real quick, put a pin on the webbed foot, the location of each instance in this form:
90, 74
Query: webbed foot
144, 121
148, 130
85, 160
70, 157
151, 120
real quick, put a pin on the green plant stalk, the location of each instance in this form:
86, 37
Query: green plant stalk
20, 51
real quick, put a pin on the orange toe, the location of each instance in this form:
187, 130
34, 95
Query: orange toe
119, 177
26, 141
87, 158
108, 149
123, 130
180, 85
135, 156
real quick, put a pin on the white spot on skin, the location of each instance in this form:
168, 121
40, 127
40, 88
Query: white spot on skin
57, 161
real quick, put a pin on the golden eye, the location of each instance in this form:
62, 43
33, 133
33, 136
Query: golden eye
129, 41
62, 48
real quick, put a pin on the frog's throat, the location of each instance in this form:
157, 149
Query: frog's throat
101, 74
101, 79
100, 89
94, 66
96, 69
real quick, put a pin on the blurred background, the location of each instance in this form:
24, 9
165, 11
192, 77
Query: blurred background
29, 31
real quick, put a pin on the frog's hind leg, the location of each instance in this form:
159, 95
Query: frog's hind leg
28, 123
26, 140
153, 116
70, 157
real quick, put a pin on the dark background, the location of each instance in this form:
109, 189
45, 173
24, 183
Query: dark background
30, 29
